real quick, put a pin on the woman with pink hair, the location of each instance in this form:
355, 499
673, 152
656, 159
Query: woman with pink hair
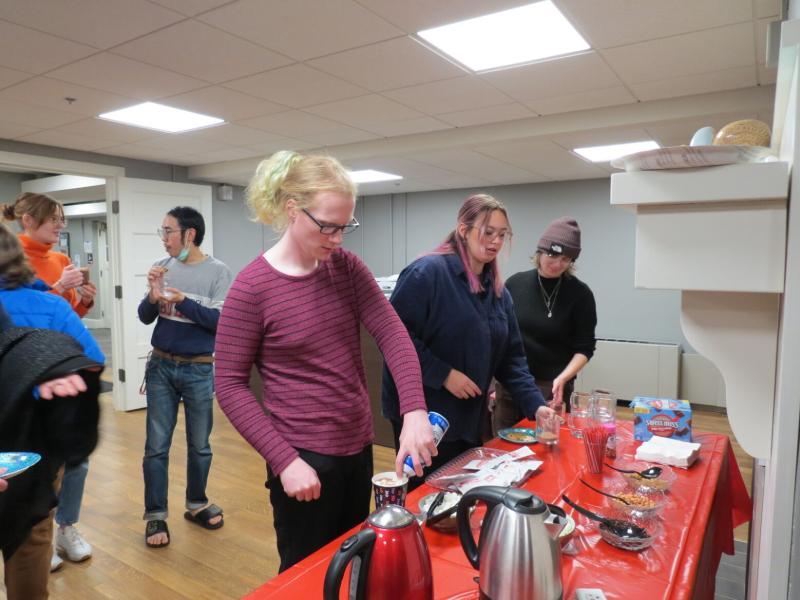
461, 319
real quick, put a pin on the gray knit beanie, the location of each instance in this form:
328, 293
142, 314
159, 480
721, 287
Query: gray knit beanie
562, 236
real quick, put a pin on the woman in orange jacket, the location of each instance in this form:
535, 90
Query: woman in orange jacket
41, 219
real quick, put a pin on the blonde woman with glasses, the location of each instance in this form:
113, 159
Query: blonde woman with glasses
295, 314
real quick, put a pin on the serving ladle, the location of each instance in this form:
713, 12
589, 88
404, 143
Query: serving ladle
620, 528
650, 473
591, 487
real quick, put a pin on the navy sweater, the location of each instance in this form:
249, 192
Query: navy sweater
452, 328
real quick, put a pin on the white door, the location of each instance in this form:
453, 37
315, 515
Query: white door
103, 273
140, 208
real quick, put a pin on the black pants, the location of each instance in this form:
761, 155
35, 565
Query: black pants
447, 452
304, 527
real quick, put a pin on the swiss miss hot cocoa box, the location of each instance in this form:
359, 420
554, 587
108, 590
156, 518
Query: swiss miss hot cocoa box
664, 417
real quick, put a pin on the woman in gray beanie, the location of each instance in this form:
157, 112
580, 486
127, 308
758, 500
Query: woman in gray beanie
557, 318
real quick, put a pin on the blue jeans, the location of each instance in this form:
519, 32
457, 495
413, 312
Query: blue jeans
167, 382
71, 494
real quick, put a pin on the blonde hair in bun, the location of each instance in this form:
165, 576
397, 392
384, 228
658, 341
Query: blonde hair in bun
288, 175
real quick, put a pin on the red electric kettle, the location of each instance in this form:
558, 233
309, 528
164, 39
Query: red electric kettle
390, 560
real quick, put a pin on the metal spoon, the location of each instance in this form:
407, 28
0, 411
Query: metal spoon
591, 487
651, 473
622, 529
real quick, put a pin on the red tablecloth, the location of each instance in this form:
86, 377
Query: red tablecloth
705, 503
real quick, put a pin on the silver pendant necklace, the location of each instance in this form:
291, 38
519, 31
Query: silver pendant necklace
549, 299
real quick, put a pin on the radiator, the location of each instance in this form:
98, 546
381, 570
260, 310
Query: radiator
632, 369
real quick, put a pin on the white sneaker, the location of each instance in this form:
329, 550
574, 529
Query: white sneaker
55, 562
70, 543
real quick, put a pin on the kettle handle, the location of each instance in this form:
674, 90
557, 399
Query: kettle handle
492, 495
361, 545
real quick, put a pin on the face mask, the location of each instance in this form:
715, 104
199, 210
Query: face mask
183, 254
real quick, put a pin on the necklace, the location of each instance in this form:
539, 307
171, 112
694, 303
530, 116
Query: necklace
549, 299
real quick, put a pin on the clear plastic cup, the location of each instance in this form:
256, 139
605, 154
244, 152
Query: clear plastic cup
580, 413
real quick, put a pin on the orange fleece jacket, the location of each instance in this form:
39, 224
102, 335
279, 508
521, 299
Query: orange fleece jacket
48, 266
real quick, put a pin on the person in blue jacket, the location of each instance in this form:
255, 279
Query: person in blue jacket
28, 304
461, 319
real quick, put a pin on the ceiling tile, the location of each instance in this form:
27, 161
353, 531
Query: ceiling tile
25, 113
700, 83
469, 162
302, 29
690, 54
767, 8
619, 22
766, 75
296, 86
450, 95
203, 52
10, 131
312, 128
224, 103
234, 135
416, 15
612, 96
61, 139
99, 23
558, 77
11, 76
191, 7
225, 154
273, 143
599, 137
396, 63
762, 26
489, 114
35, 52
150, 153
106, 130
544, 157
365, 111
126, 77
51, 93
409, 126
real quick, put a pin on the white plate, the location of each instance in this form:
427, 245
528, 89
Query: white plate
683, 157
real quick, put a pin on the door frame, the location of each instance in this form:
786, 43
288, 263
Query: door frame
32, 162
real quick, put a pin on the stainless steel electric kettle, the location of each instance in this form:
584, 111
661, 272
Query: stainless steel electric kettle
519, 556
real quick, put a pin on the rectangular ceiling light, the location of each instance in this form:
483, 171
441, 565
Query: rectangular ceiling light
159, 117
510, 37
608, 153
371, 176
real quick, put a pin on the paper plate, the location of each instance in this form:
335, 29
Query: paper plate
683, 157
17, 462
518, 435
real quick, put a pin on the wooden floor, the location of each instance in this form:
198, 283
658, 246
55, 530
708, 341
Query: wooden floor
198, 564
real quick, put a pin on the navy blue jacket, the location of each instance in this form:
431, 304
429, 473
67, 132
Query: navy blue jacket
452, 328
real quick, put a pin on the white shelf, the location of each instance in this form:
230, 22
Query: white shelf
718, 234
710, 229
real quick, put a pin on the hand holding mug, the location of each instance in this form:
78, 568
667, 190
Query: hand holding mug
71, 277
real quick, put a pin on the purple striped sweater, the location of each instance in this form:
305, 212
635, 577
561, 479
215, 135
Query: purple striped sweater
302, 333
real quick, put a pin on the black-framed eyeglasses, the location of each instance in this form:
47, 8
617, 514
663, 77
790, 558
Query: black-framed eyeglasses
165, 232
328, 229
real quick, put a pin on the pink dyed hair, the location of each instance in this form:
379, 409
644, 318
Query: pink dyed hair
475, 212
